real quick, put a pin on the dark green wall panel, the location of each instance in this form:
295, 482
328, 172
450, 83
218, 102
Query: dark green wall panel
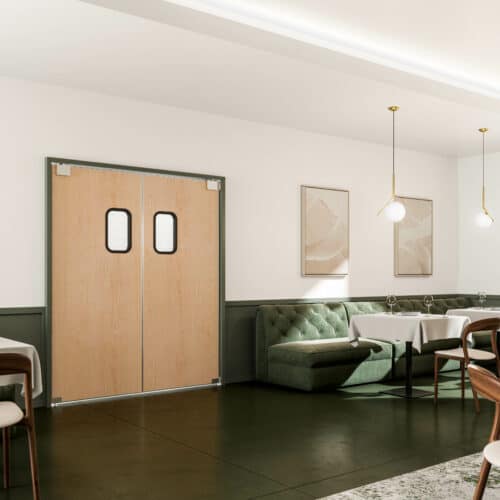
238, 363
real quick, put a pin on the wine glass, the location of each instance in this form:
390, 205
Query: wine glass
391, 301
481, 296
428, 301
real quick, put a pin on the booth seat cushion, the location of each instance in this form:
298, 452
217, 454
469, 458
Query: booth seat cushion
318, 353
281, 324
329, 377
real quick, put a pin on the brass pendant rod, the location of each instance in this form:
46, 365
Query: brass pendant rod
393, 110
484, 196
393, 154
483, 191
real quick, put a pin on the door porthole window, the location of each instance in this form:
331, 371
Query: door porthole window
118, 230
165, 232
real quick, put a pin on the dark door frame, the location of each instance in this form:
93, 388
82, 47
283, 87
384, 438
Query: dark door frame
49, 161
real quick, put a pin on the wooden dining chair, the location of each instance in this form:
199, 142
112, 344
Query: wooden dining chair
11, 414
465, 354
487, 385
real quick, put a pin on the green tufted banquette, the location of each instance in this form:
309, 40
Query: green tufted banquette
288, 323
305, 346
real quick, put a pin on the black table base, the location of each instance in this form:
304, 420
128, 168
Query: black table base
408, 391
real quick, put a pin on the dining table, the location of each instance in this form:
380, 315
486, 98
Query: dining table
15, 347
476, 313
414, 329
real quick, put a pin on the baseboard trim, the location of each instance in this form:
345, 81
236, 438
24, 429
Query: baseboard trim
58, 404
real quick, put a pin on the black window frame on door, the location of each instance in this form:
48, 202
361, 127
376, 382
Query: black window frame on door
129, 230
175, 237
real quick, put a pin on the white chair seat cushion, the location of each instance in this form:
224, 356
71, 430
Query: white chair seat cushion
475, 354
10, 414
492, 453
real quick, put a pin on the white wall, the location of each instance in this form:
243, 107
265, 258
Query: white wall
264, 166
479, 248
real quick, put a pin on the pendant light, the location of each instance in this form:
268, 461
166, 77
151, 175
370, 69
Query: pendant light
394, 210
483, 218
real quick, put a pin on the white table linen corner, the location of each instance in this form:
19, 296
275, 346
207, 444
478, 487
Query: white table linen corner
418, 329
475, 313
13, 347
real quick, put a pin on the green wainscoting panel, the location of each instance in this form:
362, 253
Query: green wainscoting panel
27, 324
238, 360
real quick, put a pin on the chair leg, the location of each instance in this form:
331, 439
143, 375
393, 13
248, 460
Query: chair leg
462, 370
436, 377
6, 457
483, 479
33, 461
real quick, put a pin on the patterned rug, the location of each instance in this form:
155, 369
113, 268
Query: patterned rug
453, 480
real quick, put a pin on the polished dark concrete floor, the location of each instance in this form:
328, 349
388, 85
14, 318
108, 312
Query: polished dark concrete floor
244, 441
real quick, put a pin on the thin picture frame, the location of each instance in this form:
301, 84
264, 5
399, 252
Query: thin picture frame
304, 224
397, 243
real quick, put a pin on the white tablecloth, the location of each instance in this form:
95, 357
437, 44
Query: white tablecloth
11, 346
475, 313
416, 329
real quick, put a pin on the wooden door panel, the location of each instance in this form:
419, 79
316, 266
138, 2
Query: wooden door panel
96, 306
181, 290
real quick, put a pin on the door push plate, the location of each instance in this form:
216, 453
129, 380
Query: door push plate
213, 185
62, 169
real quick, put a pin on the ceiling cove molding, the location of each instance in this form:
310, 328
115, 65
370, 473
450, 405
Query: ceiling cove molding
359, 49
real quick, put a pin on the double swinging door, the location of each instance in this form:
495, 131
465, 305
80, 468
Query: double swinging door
135, 282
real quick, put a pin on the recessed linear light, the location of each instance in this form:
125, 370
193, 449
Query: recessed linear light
344, 44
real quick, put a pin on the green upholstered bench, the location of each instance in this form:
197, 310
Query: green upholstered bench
306, 347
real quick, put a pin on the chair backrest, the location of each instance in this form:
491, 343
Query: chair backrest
484, 382
489, 324
488, 385
13, 364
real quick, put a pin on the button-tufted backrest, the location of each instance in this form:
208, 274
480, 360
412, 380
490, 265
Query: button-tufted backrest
440, 306
277, 324
354, 308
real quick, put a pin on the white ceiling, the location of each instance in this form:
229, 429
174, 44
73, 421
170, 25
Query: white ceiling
169, 54
453, 41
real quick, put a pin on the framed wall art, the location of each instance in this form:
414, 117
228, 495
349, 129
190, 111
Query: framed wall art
413, 239
325, 231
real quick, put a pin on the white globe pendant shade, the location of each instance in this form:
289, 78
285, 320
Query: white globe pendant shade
483, 220
395, 211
